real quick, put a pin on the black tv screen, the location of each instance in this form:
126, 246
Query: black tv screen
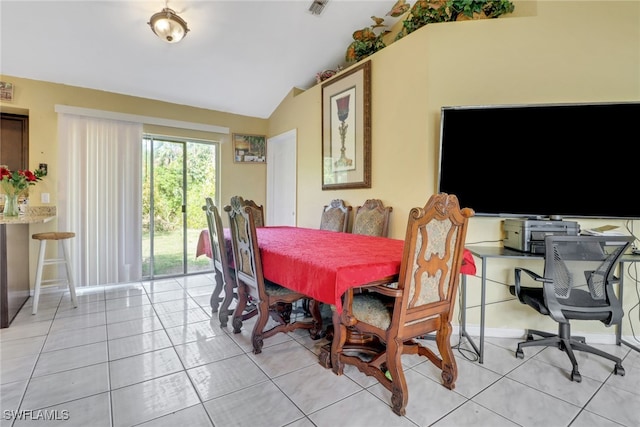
538, 161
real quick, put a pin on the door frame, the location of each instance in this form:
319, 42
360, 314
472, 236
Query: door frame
281, 194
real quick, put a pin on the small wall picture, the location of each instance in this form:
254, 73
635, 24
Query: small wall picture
6, 91
249, 148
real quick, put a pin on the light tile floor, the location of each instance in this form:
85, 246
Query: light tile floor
150, 354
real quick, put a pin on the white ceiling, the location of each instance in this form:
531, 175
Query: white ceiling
240, 56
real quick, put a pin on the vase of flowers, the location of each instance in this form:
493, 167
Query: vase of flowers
14, 184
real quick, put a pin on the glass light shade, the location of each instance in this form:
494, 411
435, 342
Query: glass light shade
168, 26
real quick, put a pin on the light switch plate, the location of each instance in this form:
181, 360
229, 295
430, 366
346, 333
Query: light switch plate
44, 197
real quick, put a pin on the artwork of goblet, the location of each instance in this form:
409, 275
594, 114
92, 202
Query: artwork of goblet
343, 114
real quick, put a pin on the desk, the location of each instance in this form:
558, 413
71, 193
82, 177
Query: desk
625, 258
14, 263
487, 252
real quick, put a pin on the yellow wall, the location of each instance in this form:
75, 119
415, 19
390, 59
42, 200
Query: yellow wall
547, 51
37, 99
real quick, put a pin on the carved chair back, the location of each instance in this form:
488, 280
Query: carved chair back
372, 218
223, 270
257, 210
246, 255
335, 216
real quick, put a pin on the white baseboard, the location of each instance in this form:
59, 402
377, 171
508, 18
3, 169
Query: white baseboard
474, 331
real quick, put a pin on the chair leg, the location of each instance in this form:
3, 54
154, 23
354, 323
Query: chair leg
36, 290
547, 340
67, 262
588, 349
585, 348
257, 336
223, 311
399, 388
447, 360
240, 306
215, 299
566, 346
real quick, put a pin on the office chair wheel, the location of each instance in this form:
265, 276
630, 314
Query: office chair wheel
519, 354
575, 376
619, 370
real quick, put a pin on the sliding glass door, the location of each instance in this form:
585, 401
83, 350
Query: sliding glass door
178, 175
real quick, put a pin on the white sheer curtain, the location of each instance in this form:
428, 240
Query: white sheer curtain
99, 197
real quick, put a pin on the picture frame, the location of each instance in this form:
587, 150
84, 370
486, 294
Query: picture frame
6, 91
249, 148
346, 129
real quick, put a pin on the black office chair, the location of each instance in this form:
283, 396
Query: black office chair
577, 285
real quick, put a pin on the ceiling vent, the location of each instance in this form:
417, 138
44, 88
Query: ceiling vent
317, 6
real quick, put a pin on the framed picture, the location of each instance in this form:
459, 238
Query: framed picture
346, 129
249, 148
6, 91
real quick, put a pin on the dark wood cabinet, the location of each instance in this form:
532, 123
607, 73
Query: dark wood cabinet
14, 141
14, 270
14, 239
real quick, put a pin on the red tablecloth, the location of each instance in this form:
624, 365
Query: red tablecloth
324, 264
204, 245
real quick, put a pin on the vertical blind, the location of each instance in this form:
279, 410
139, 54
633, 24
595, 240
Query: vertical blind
99, 197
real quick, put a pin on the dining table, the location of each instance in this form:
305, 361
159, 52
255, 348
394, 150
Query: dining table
323, 264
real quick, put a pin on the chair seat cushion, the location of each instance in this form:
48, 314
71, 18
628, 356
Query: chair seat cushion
276, 290
369, 309
534, 297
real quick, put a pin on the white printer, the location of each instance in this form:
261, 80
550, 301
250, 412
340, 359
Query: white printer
527, 235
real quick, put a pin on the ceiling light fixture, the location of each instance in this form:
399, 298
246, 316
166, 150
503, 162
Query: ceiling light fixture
167, 25
317, 6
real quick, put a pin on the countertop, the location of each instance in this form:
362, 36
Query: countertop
34, 215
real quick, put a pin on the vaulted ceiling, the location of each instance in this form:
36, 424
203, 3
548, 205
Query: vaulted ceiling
239, 56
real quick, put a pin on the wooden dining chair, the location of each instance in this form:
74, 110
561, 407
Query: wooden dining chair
272, 300
223, 270
421, 302
257, 210
335, 216
372, 218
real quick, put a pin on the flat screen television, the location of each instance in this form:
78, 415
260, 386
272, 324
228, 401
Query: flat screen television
543, 160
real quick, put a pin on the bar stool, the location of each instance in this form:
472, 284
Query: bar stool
61, 237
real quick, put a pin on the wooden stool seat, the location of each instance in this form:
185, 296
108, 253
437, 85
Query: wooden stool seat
54, 235
61, 237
